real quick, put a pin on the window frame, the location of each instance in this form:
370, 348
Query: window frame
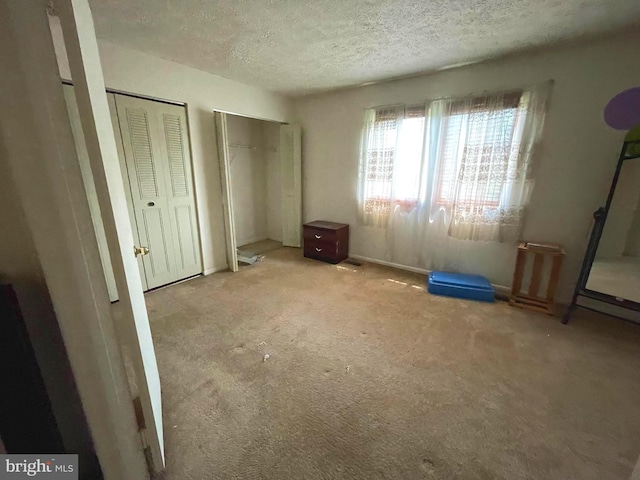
384, 205
510, 102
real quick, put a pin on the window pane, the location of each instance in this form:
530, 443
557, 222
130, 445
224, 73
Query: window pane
476, 156
407, 170
380, 157
453, 144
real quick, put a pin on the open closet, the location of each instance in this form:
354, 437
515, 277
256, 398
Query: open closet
155, 161
260, 165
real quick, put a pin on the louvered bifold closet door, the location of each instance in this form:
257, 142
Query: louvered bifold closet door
179, 186
141, 136
113, 110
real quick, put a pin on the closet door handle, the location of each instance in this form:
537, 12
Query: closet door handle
317, 236
140, 251
318, 249
151, 204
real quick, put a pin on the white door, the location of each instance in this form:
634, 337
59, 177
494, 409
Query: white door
143, 355
222, 136
291, 174
86, 71
179, 178
89, 185
111, 98
157, 159
90, 188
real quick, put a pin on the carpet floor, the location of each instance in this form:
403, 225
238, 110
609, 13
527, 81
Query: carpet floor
297, 369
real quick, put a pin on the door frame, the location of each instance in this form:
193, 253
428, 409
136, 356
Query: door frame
222, 142
135, 95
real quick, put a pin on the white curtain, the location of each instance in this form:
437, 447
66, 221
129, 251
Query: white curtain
483, 157
391, 153
456, 179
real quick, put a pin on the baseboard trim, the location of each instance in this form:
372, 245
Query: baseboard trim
502, 291
384, 263
219, 268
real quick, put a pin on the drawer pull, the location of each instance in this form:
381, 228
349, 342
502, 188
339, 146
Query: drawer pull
318, 249
317, 236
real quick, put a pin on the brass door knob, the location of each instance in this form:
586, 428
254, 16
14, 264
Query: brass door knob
140, 251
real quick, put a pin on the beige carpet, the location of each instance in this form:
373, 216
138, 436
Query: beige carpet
370, 377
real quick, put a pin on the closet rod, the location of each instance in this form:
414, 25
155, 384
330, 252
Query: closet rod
240, 145
250, 147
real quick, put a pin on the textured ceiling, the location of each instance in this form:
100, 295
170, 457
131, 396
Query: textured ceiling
300, 46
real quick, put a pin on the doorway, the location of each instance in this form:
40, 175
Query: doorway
155, 160
260, 167
254, 167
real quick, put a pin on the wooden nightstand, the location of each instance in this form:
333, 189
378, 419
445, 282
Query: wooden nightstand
326, 241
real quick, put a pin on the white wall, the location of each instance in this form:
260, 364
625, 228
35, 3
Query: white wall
578, 156
20, 267
135, 72
248, 172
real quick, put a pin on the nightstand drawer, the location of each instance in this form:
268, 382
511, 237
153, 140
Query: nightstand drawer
327, 251
320, 235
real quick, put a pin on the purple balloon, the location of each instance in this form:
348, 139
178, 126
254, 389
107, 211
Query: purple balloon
623, 111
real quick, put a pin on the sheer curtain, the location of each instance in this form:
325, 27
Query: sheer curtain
482, 152
457, 182
379, 143
391, 154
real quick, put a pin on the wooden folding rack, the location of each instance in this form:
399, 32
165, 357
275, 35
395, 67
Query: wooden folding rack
531, 299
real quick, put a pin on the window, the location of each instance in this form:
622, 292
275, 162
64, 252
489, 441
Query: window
393, 149
469, 157
476, 150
